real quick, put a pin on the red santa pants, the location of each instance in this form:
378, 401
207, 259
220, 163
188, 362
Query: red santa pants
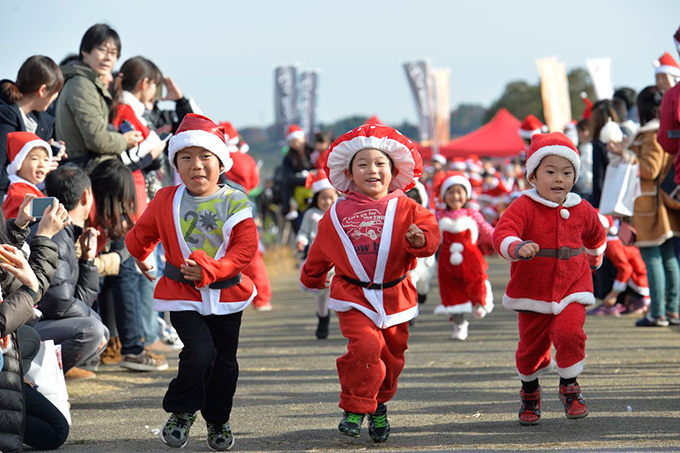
374, 360
537, 331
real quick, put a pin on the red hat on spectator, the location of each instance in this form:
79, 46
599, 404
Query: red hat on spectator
530, 126
294, 132
588, 111
402, 151
666, 64
317, 181
201, 131
19, 144
552, 144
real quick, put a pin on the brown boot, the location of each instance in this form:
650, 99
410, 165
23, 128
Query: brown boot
111, 355
79, 373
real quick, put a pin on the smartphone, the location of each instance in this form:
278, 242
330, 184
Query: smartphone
38, 206
126, 126
56, 148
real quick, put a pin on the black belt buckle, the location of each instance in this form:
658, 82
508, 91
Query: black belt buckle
563, 253
376, 286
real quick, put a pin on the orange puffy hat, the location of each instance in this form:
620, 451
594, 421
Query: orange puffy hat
405, 157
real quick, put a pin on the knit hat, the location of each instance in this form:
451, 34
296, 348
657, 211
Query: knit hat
402, 151
552, 144
294, 132
588, 111
201, 131
666, 64
454, 178
530, 126
19, 144
317, 181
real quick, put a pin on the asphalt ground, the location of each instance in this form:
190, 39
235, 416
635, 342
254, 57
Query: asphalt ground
453, 395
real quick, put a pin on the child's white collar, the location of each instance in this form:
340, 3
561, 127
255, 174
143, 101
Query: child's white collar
571, 201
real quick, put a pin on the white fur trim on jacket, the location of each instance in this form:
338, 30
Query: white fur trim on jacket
548, 308
597, 251
641, 290
453, 309
505, 246
571, 371
459, 225
546, 369
619, 286
571, 201
202, 139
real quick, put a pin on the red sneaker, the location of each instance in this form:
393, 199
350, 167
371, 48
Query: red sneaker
571, 398
530, 411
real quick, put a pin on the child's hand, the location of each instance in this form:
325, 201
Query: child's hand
479, 311
300, 246
146, 269
24, 216
191, 270
415, 236
528, 250
610, 299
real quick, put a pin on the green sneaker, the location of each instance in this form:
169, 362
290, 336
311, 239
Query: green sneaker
350, 425
175, 433
220, 437
378, 426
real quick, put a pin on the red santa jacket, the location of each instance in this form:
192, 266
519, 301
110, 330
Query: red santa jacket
18, 188
161, 221
396, 256
547, 284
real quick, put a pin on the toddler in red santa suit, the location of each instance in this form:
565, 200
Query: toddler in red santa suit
209, 237
544, 233
463, 283
372, 237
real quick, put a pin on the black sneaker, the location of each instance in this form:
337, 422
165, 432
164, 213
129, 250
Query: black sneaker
175, 433
422, 298
350, 425
220, 437
322, 327
378, 426
649, 321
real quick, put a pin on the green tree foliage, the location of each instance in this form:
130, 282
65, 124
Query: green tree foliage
466, 118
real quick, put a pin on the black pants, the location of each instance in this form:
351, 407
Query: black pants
45, 427
208, 369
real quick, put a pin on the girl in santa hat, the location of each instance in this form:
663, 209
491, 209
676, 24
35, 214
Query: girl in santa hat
544, 233
463, 282
324, 196
372, 237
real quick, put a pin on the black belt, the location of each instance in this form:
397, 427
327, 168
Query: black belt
562, 253
371, 285
174, 273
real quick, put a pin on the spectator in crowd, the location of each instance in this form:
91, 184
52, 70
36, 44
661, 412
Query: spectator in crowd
68, 318
295, 168
83, 109
602, 112
23, 106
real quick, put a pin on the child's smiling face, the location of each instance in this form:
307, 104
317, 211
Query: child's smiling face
455, 197
371, 170
35, 166
553, 178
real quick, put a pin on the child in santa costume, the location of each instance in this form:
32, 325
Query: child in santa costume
543, 233
209, 237
422, 274
30, 158
372, 237
463, 283
324, 196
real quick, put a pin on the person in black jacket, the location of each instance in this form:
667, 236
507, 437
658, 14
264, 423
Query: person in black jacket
23, 105
20, 293
67, 316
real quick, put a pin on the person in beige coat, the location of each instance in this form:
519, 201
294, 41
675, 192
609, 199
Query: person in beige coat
656, 216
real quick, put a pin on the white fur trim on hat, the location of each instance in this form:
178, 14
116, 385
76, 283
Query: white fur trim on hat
456, 180
202, 139
299, 134
553, 150
15, 165
321, 184
667, 69
342, 154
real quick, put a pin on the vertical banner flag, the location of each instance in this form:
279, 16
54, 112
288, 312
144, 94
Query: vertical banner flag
600, 70
308, 86
443, 111
285, 98
555, 93
420, 80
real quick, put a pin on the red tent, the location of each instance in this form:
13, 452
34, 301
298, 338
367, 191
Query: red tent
497, 138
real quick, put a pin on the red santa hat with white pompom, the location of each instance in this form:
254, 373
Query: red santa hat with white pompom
317, 181
530, 126
408, 164
552, 144
666, 64
201, 131
19, 144
294, 132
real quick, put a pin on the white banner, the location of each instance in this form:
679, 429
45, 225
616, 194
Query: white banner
600, 74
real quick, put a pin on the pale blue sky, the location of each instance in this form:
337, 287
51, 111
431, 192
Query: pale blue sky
222, 53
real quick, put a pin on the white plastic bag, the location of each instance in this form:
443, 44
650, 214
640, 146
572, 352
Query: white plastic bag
47, 374
620, 189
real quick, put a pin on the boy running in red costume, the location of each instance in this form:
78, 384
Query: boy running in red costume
544, 233
372, 237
